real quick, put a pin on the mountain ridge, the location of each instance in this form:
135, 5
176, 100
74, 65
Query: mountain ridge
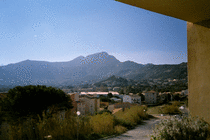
92, 68
82, 57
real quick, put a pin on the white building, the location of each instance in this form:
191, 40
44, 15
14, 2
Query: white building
115, 99
97, 94
184, 92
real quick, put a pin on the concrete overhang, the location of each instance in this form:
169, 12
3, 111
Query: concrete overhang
195, 11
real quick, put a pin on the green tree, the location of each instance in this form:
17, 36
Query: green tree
176, 97
30, 101
109, 95
104, 99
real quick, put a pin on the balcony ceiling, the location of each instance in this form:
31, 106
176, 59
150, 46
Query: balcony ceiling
196, 11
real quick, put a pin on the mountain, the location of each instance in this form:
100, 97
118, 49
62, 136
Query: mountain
113, 81
90, 69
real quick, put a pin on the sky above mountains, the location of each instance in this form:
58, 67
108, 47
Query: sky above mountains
62, 30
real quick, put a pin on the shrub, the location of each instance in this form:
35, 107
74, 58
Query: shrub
103, 111
188, 128
90, 127
154, 110
170, 109
102, 124
119, 129
21, 102
54, 126
130, 117
176, 103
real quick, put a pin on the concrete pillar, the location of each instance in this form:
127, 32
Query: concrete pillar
198, 40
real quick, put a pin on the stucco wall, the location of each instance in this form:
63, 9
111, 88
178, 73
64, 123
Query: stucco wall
111, 108
198, 39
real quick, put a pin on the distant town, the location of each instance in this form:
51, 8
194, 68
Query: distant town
89, 99
100, 82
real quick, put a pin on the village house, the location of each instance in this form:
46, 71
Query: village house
163, 97
86, 104
132, 98
92, 104
184, 92
151, 97
75, 100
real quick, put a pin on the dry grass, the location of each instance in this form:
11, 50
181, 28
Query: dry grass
154, 110
90, 127
176, 103
170, 109
56, 127
102, 124
130, 117
120, 129
165, 109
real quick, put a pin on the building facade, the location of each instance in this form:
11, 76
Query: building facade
132, 99
151, 97
86, 104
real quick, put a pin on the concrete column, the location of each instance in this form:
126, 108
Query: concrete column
198, 41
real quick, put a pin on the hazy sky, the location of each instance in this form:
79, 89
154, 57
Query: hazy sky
61, 30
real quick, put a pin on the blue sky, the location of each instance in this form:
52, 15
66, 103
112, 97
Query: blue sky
58, 31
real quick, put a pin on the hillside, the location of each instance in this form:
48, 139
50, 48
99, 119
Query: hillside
90, 69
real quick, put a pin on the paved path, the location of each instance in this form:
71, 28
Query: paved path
185, 111
141, 132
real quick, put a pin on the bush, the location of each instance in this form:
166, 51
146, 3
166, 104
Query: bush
188, 128
90, 127
55, 127
103, 111
130, 117
120, 129
170, 109
30, 101
102, 124
176, 103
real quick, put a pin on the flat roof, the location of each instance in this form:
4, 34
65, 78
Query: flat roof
101, 93
195, 11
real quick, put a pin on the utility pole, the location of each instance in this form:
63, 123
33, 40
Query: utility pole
78, 113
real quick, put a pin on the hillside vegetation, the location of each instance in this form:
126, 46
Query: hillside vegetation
85, 70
